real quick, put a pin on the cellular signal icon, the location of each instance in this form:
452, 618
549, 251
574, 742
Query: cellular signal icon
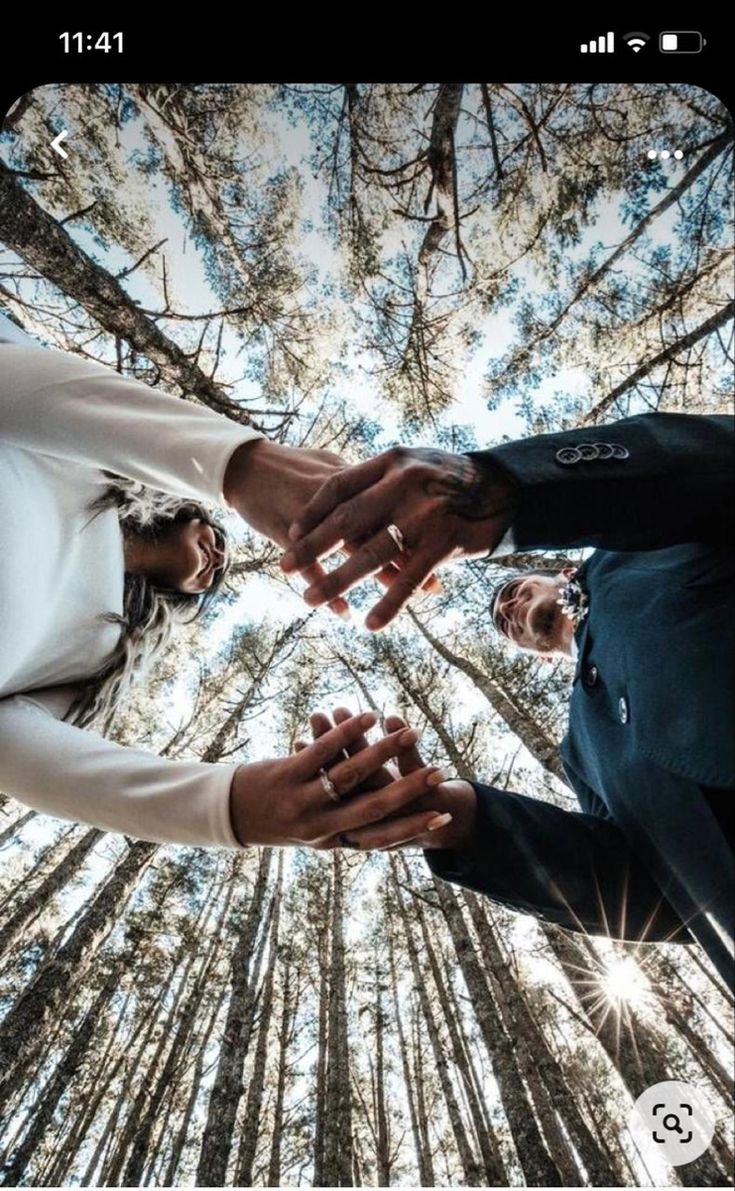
604, 44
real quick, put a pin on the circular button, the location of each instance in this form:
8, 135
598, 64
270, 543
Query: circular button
619, 452
673, 1121
604, 450
587, 451
591, 676
568, 455
623, 711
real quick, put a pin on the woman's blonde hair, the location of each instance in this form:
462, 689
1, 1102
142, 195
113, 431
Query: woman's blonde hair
150, 612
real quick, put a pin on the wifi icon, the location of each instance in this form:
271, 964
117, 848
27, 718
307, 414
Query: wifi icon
636, 41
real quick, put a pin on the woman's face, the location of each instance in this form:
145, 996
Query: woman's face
190, 557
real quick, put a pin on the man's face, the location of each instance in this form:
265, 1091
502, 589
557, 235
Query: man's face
527, 613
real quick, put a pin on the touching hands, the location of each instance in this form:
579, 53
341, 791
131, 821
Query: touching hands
417, 506
453, 803
289, 801
270, 485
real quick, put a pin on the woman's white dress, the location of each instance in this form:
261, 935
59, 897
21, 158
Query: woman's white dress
62, 420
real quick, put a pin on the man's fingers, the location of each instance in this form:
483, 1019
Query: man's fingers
335, 491
370, 558
410, 759
322, 751
351, 520
314, 574
396, 833
400, 591
320, 724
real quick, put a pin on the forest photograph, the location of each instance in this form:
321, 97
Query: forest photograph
346, 269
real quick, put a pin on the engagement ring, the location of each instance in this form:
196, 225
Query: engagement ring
328, 785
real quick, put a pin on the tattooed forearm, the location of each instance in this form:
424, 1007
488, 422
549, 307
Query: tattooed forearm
472, 490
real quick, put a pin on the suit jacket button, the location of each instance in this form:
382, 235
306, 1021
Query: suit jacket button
623, 711
619, 452
587, 451
568, 455
590, 677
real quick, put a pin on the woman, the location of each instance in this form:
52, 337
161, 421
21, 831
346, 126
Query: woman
94, 575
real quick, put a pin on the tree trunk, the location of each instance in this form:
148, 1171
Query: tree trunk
471, 1166
37, 1004
56, 879
226, 1090
253, 1105
177, 1034
536, 1163
16, 826
285, 1036
494, 1173
423, 1153
520, 1022
337, 1122
42, 1112
540, 746
630, 1044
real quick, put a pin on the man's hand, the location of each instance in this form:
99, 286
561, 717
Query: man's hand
444, 506
270, 484
452, 804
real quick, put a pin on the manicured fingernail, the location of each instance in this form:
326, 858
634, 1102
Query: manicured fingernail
287, 562
439, 821
437, 777
343, 612
409, 737
368, 719
434, 586
372, 622
294, 531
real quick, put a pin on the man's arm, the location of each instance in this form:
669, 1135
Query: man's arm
642, 483
639, 484
568, 868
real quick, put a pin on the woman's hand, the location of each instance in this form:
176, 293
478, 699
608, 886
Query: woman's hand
454, 801
283, 803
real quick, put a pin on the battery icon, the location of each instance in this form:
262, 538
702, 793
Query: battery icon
687, 42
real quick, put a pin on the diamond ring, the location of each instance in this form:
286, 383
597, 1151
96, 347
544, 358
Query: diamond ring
328, 786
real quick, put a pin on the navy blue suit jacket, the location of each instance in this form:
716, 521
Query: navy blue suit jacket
649, 750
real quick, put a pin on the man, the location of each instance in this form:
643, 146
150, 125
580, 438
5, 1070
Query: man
649, 621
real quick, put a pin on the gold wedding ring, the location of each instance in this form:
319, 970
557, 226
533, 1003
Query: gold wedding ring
397, 536
328, 786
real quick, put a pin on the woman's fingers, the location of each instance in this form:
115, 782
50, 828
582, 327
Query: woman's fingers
395, 833
321, 752
350, 774
368, 808
381, 777
320, 724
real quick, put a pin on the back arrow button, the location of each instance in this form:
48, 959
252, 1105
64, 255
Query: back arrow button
56, 143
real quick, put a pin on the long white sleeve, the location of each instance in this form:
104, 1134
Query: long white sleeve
76, 774
57, 404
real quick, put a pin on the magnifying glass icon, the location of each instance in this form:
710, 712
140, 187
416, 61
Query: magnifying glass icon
676, 1127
